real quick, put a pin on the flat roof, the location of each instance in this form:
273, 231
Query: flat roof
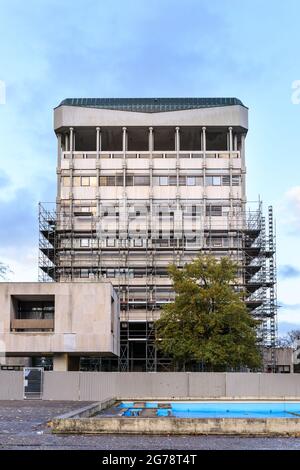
151, 105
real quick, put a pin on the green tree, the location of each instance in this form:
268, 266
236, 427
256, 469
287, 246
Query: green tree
208, 322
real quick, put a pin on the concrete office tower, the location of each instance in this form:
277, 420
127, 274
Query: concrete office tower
142, 183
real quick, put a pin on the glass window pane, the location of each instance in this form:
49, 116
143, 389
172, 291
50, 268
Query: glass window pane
119, 180
66, 181
163, 180
190, 180
85, 181
216, 180
141, 181
76, 181
111, 180
93, 180
129, 180
103, 181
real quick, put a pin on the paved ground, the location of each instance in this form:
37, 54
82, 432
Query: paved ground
23, 426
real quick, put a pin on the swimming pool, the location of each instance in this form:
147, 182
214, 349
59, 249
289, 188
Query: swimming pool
212, 409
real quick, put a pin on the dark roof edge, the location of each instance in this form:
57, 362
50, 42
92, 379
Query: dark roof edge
151, 105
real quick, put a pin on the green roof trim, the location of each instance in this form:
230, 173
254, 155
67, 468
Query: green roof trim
150, 105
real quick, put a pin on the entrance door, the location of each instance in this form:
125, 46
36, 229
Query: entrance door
33, 382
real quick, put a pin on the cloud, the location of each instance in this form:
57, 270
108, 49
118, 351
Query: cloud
288, 271
286, 306
290, 211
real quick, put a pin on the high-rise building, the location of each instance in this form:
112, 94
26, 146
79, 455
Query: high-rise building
142, 183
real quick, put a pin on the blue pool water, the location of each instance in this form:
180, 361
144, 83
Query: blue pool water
218, 409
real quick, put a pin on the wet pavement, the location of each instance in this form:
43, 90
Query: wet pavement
23, 426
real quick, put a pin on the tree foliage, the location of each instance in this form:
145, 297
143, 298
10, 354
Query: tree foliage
208, 322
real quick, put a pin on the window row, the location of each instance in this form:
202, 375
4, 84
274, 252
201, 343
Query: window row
144, 180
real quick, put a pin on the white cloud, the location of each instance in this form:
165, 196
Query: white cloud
23, 263
289, 210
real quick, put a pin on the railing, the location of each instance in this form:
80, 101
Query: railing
32, 324
157, 154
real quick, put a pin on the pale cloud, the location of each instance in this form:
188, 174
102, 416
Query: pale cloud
288, 211
23, 263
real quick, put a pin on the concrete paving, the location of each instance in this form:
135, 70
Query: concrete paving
23, 426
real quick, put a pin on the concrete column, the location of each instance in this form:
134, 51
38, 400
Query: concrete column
59, 156
63, 362
150, 146
60, 362
124, 140
98, 140
203, 139
177, 149
71, 139
151, 140
230, 138
230, 166
98, 167
124, 149
242, 154
203, 148
177, 139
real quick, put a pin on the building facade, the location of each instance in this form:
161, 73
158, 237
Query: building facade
59, 321
142, 183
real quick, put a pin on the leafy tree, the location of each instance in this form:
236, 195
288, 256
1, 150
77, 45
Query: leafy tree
208, 322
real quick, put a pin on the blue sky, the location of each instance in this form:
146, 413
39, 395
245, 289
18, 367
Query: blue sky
51, 49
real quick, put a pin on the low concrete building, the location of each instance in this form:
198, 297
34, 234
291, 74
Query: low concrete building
283, 360
65, 320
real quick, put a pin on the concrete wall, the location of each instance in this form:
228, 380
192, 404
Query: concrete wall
74, 116
11, 385
83, 319
95, 386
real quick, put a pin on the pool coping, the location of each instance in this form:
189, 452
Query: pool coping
82, 421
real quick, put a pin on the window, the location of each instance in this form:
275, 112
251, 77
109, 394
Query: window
76, 181
119, 180
93, 181
163, 181
213, 180
226, 180
214, 210
129, 180
172, 180
84, 242
191, 181
283, 369
236, 181
107, 181
141, 180
65, 180
138, 242
217, 242
85, 181
110, 242
84, 273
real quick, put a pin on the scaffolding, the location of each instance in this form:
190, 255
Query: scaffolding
132, 247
